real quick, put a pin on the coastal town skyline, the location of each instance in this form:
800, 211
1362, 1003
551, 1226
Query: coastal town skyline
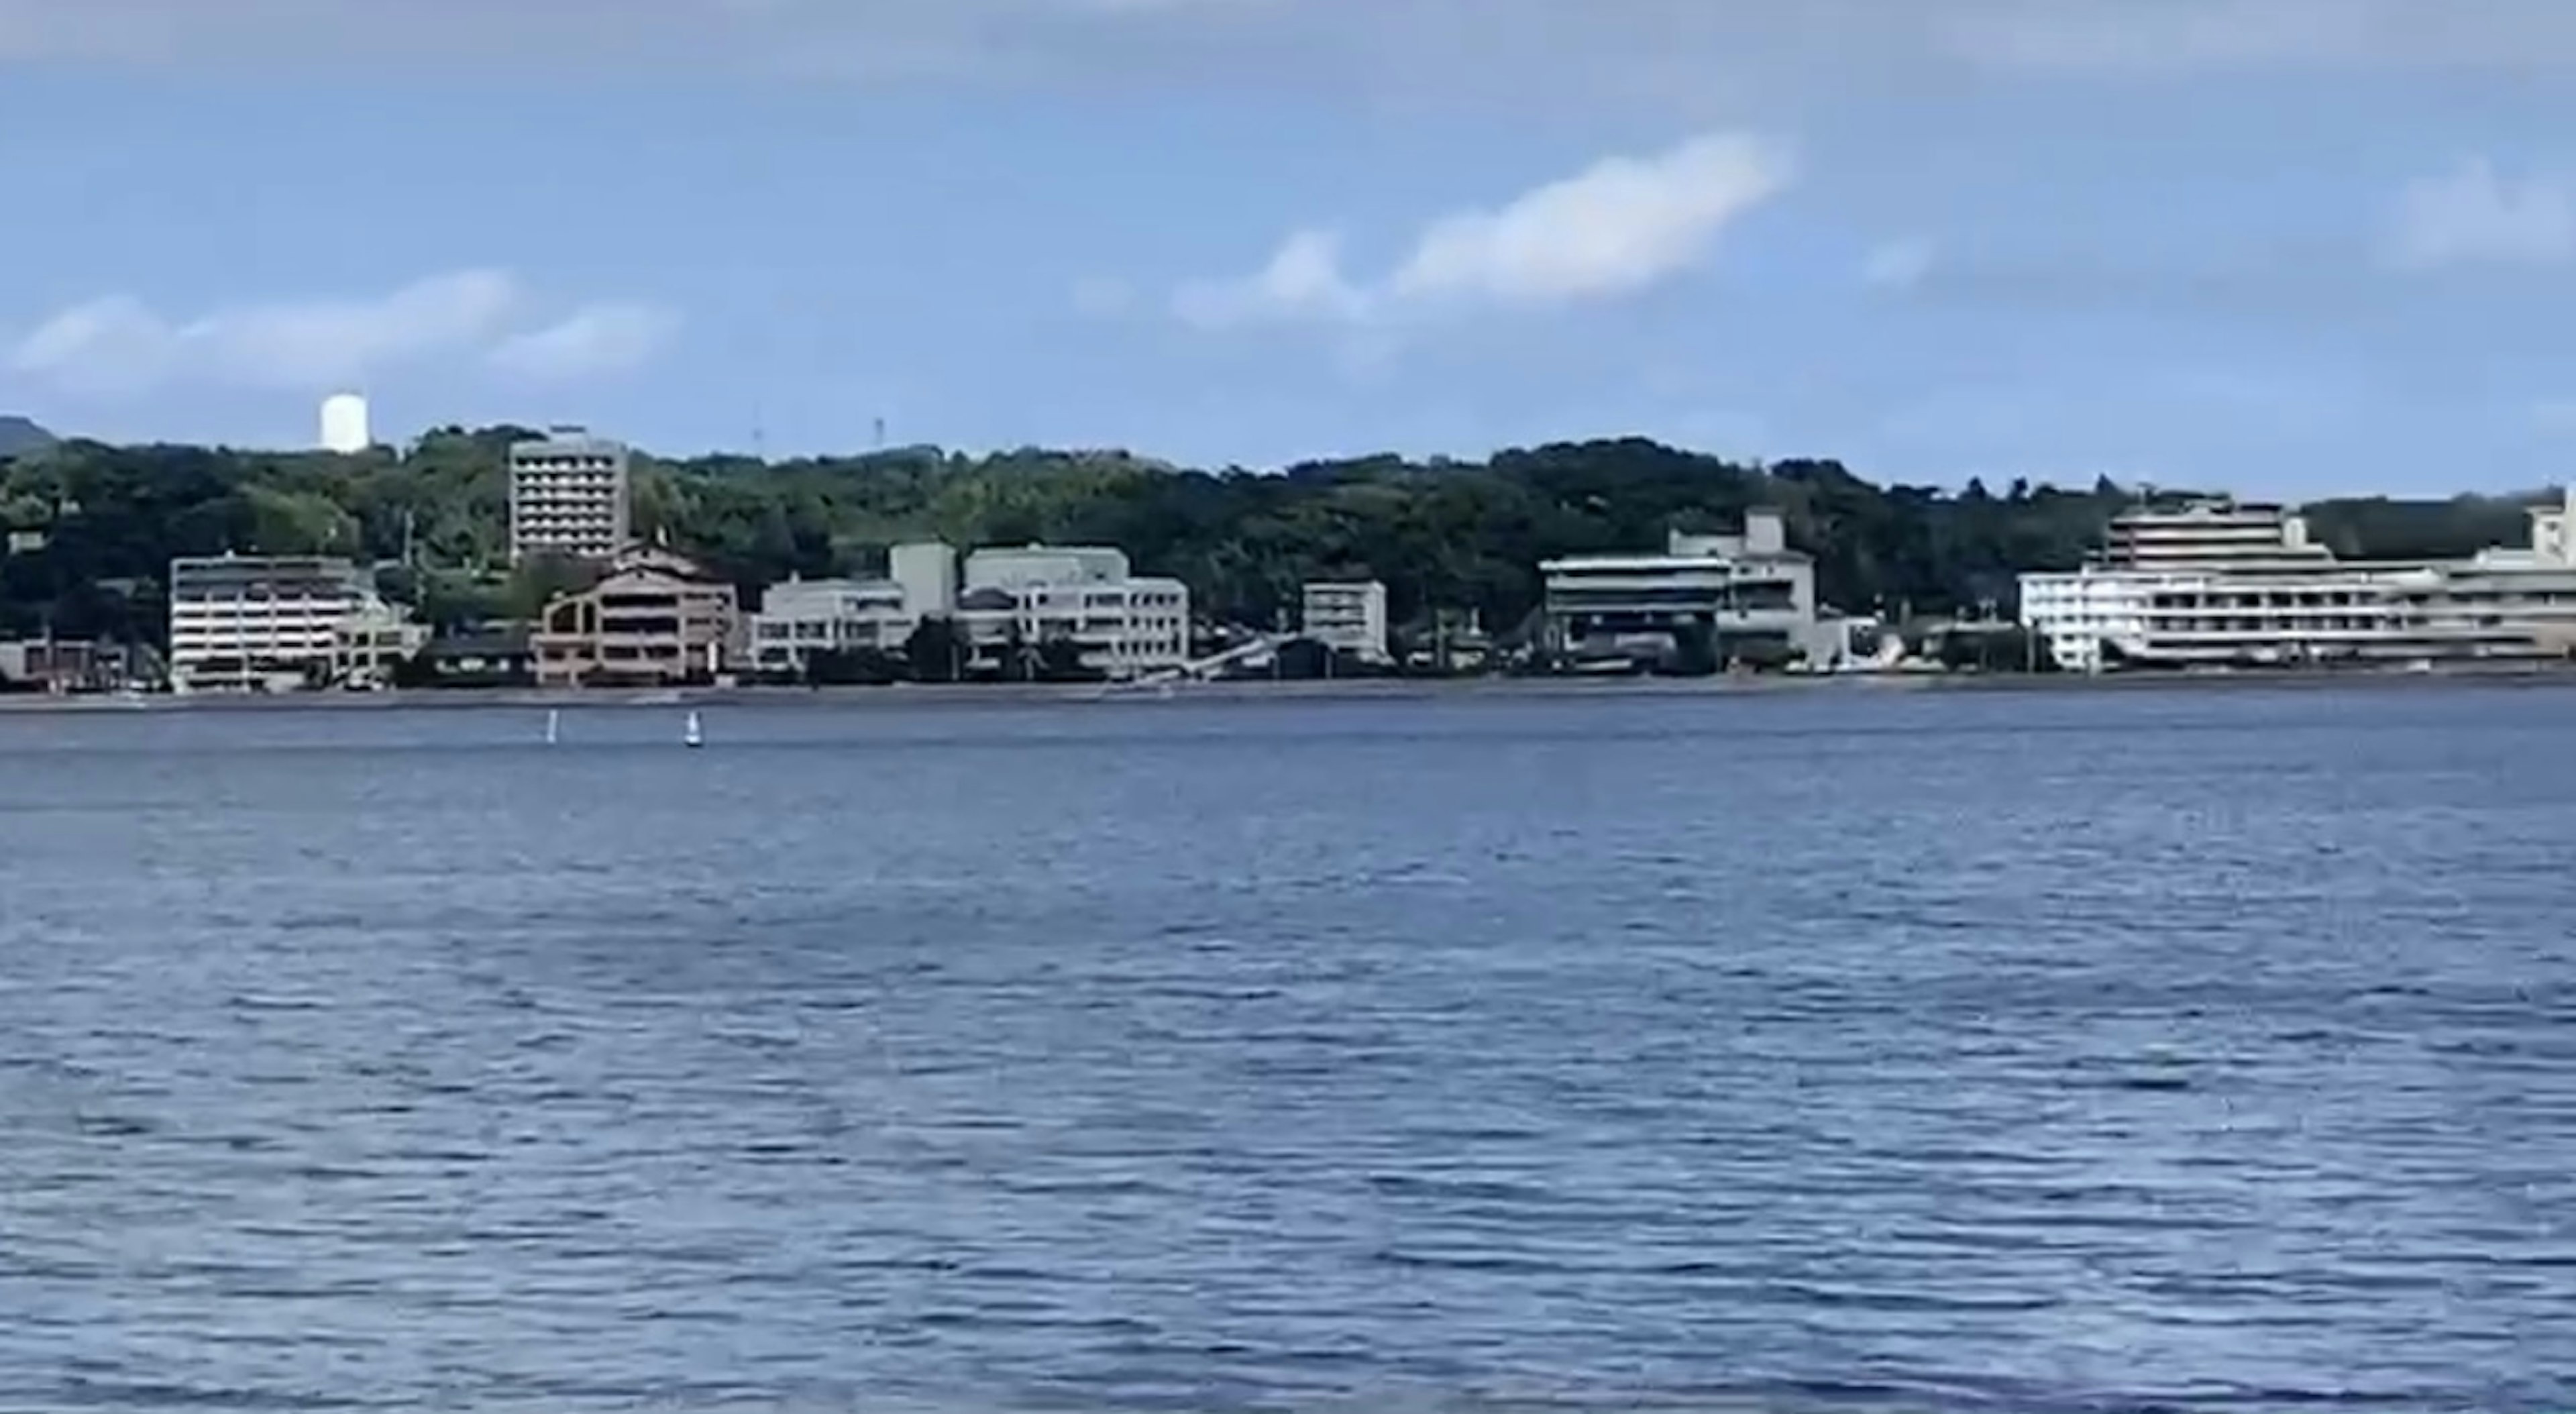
2244, 242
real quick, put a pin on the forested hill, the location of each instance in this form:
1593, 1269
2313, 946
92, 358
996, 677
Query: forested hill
1461, 535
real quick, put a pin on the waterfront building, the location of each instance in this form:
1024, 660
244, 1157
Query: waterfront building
1122, 623
801, 617
2252, 590
569, 496
64, 665
1748, 593
243, 622
494, 655
1347, 617
656, 618
372, 644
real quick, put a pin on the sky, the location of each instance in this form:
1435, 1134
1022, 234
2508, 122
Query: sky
2286, 247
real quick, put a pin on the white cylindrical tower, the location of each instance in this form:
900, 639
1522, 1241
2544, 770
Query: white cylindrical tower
344, 423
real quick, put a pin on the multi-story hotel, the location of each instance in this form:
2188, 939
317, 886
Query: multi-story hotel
569, 496
2219, 583
656, 619
1741, 590
242, 622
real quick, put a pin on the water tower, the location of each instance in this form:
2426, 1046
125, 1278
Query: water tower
344, 423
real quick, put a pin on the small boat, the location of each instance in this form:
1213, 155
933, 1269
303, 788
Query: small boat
554, 725
694, 735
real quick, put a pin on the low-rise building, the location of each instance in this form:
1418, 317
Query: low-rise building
264, 622
1120, 624
64, 665
1748, 594
495, 655
371, 645
2159, 596
803, 617
1346, 616
656, 618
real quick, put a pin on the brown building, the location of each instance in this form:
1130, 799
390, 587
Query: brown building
656, 619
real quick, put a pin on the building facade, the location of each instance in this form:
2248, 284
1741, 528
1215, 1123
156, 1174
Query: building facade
2159, 596
63, 665
244, 622
656, 619
569, 496
1122, 624
372, 644
803, 617
1747, 593
1347, 617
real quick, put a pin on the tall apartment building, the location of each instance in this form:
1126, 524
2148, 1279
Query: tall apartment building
569, 496
241, 622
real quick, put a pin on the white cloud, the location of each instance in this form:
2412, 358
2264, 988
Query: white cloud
591, 341
2474, 216
1303, 280
1898, 265
1620, 226
120, 345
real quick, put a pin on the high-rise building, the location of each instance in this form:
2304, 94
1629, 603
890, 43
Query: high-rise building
569, 496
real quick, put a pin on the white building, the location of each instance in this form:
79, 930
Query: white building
244, 622
569, 496
1740, 590
1348, 617
2253, 590
802, 617
1123, 624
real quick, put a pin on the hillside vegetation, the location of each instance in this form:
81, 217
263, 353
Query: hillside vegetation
1443, 535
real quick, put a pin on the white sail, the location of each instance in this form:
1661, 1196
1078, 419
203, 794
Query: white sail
695, 736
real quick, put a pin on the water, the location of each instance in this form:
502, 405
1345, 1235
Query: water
1848, 1051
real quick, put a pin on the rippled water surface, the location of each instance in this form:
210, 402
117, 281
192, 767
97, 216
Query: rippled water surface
1836, 1051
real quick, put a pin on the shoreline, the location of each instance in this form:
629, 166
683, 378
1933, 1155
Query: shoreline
1256, 690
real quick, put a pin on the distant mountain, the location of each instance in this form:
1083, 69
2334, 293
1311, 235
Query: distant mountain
17, 435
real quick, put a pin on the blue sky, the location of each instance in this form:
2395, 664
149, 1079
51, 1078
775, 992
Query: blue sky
2289, 246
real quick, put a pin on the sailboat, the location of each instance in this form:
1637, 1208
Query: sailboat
695, 735
554, 725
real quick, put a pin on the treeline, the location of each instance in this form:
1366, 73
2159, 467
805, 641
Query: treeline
94, 527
